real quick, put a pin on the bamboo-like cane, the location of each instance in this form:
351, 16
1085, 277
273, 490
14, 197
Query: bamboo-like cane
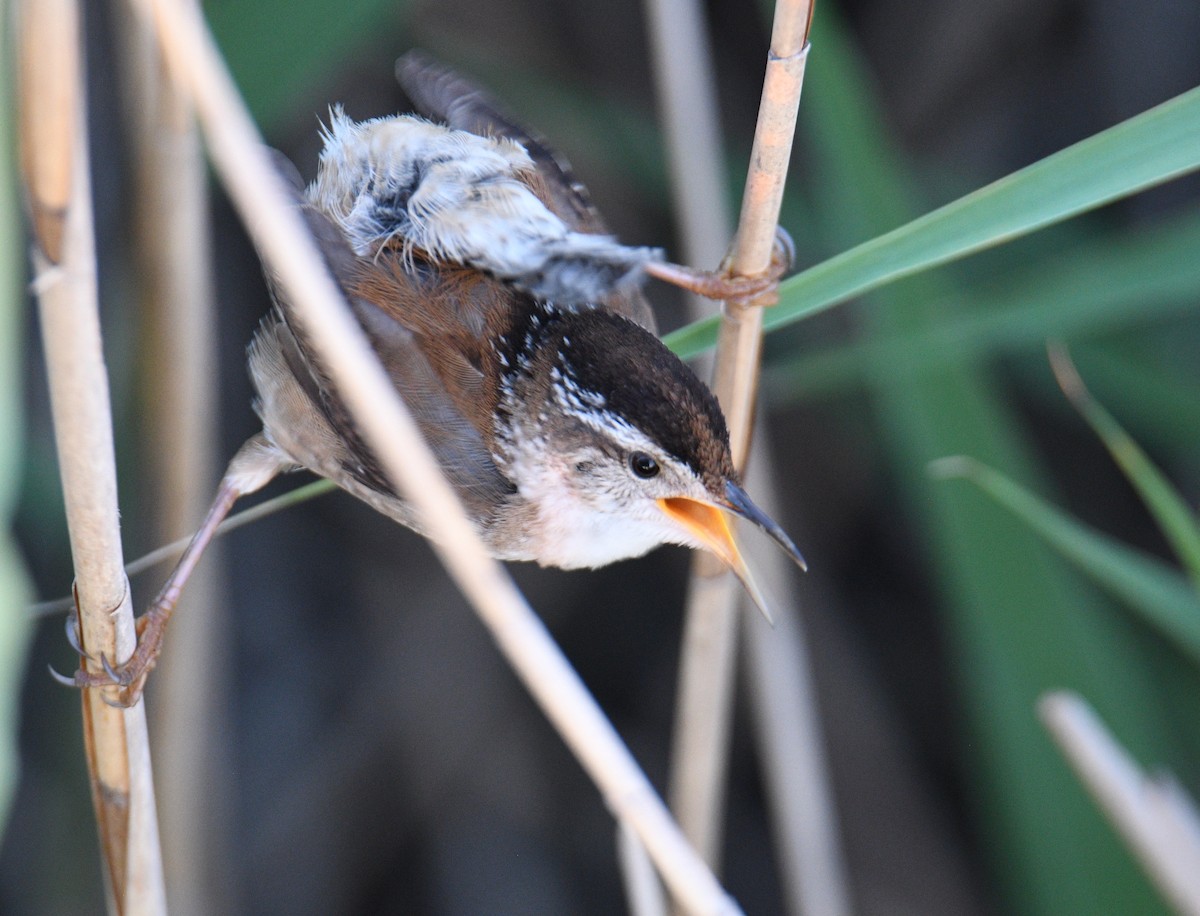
389, 429
685, 86
54, 160
1153, 814
706, 680
802, 810
178, 356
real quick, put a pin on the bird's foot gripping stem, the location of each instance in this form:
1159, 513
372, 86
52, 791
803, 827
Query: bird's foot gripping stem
719, 284
129, 676
255, 464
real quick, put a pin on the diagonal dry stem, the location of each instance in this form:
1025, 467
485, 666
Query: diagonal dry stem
54, 158
260, 195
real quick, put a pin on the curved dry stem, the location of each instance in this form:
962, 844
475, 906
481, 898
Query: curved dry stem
259, 193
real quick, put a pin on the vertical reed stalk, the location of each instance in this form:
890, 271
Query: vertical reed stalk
707, 671
685, 86
388, 428
179, 370
790, 741
55, 166
643, 891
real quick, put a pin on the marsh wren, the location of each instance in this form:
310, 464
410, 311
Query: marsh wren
513, 326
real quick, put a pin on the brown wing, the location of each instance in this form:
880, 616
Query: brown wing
442, 94
442, 388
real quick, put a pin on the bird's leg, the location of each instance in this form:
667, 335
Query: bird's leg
254, 465
719, 284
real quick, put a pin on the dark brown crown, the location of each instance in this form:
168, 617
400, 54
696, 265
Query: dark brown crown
631, 375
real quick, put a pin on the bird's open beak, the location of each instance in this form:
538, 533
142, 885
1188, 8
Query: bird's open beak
709, 523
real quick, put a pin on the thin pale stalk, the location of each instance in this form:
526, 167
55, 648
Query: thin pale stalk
259, 193
115, 740
686, 87
175, 549
704, 707
788, 731
179, 369
1154, 815
643, 892
707, 670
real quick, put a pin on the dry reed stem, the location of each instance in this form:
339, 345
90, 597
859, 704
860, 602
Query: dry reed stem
1153, 813
643, 892
707, 670
48, 71
179, 368
704, 707
685, 86
115, 740
389, 429
788, 731
687, 99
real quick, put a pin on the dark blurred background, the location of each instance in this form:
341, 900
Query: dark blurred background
375, 753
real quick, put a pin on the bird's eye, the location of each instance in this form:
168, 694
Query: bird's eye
643, 465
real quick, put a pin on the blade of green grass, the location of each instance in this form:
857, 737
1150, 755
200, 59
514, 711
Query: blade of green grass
1161, 402
1149, 149
1017, 618
1114, 280
1159, 594
1172, 514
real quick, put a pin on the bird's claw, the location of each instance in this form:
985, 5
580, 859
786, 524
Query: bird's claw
123, 700
113, 675
61, 678
73, 634
762, 291
758, 290
783, 254
764, 288
129, 677
128, 680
